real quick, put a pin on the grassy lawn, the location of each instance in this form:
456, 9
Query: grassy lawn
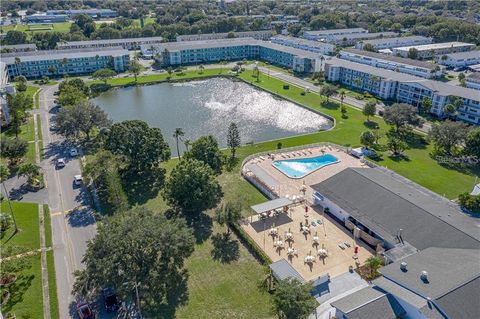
57, 27
224, 290
26, 292
52, 286
28, 236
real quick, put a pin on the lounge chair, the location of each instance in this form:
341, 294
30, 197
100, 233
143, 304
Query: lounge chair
347, 244
342, 246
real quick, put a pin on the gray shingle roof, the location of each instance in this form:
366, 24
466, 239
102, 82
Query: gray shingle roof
364, 35
20, 46
474, 75
357, 299
448, 269
400, 39
328, 32
464, 55
463, 302
434, 46
385, 307
380, 56
385, 204
120, 41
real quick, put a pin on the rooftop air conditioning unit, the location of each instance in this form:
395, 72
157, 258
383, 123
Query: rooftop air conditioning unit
403, 266
424, 275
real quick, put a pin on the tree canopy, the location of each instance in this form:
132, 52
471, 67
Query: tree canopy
370, 109
448, 134
206, 149
192, 187
13, 149
400, 115
233, 138
292, 299
472, 143
141, 145
328, 90
104, 74
137, 249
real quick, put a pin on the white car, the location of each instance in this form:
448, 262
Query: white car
61, 162
73, 152
78, 179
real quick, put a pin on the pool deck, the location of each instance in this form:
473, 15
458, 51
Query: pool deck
330, 233
293, 186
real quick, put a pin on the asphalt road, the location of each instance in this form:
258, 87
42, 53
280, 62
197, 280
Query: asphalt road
73, 223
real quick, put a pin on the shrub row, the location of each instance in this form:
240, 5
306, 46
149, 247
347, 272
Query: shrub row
248, 242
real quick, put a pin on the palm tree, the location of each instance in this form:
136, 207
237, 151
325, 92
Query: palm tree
178, 135
201, 68
4, 173
187, 143
374, 263
357, 82
342, 94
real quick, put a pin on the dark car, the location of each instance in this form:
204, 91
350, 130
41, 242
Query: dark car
110, 298
84, 311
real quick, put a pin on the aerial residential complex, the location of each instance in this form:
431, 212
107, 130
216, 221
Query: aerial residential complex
388, 43
129, 44
327, 35
210, 51
258, 35
428, 51
403, 65
59, 62
308, 45
460, 59
391, 85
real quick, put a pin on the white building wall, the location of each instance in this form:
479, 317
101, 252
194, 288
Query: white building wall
334, 209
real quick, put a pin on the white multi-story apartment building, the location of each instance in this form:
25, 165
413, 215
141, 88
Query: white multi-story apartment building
404, 88
351, 39
460, 59
389, 43
403, 65
472, 81
258, 35
428, 51
308, 45
129, 43
326, 35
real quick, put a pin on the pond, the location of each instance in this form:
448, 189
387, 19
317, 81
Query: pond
208, 107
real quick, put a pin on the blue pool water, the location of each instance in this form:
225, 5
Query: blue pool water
298, 168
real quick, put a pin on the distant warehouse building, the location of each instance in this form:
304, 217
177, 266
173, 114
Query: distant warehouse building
45, 18
326, 35
308, 45
94, 13
473, 81
209, 51
129, 43
258, 35
388, 43
62, 62
460, 59
406, 88
428, 51
352, 39
394, 63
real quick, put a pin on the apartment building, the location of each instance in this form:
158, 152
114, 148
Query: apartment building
403, 65
19, 48
128, 43
429, 51
61, 62
406, 88
94, 13
210, 51
308, 45
472, 81
258, 35
395, 42
352, 39
326, 35
460, 59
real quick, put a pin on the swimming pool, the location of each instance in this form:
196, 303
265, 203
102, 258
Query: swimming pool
298, 168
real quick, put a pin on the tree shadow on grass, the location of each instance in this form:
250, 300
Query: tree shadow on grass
399, 158
177, 295
17, 290
225, 249
142, 187
201, 226
372, 125
330, 105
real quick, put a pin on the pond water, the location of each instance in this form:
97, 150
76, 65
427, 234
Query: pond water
208, 107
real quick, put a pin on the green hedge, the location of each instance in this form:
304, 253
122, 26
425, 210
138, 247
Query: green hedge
251, 245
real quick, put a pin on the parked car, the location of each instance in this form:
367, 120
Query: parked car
78, 179
84, 311
73, 152
60, 162
55, 93
110, 299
